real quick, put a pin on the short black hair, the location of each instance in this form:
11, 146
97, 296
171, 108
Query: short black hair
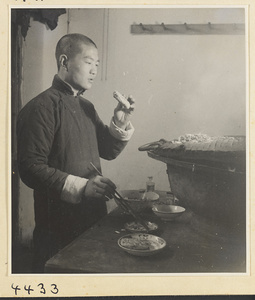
70, 44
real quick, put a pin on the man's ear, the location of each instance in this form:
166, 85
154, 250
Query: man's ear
63, 59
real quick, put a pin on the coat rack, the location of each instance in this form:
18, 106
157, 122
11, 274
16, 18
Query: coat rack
189, 29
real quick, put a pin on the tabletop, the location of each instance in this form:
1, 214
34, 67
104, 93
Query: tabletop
193, 246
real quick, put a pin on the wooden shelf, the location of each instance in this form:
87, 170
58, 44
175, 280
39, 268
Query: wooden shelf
189, 29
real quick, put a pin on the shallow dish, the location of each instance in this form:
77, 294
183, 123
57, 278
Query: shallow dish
168, 212
137, 227
141, 244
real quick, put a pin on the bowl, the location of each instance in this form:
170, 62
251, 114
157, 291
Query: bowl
168, 212
137, 227
141, 244
137, 201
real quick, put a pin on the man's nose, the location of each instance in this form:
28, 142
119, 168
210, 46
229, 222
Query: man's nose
93, 70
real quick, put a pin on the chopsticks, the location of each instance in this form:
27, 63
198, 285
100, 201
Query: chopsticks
121, 201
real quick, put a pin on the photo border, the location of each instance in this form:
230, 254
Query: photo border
102, 285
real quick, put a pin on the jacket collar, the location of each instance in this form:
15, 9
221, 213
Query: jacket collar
62, 86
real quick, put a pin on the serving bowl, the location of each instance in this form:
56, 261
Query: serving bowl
138, 201
141, 244
168, 212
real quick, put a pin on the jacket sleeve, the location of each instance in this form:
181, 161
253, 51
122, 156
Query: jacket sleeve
35, 135
109, 146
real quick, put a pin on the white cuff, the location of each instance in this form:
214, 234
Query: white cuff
121, 134
73, 189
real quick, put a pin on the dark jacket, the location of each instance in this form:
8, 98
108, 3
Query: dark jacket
60, 134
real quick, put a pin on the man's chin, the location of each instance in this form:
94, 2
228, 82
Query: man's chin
87, 86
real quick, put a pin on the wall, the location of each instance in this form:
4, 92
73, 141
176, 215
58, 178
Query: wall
181, 83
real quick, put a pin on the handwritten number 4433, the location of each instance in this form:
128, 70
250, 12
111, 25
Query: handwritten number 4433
28, 289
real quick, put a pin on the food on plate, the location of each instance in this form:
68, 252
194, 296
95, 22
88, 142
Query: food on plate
119, 97
136, 226
141, 244
138, 244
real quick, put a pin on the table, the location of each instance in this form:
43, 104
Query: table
193, 246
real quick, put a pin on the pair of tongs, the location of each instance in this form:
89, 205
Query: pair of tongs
125, 206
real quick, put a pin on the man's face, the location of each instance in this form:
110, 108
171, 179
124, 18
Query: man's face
82, 68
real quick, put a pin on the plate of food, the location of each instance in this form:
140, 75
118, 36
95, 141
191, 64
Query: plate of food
141, 244
138, 227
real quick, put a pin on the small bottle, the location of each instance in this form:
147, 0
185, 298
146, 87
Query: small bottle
150, 185
150, 190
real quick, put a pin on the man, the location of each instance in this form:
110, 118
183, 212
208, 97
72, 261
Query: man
59, 134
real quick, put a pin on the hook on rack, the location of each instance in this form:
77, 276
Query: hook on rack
186, 26
144, 28
164, 27
209, 25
